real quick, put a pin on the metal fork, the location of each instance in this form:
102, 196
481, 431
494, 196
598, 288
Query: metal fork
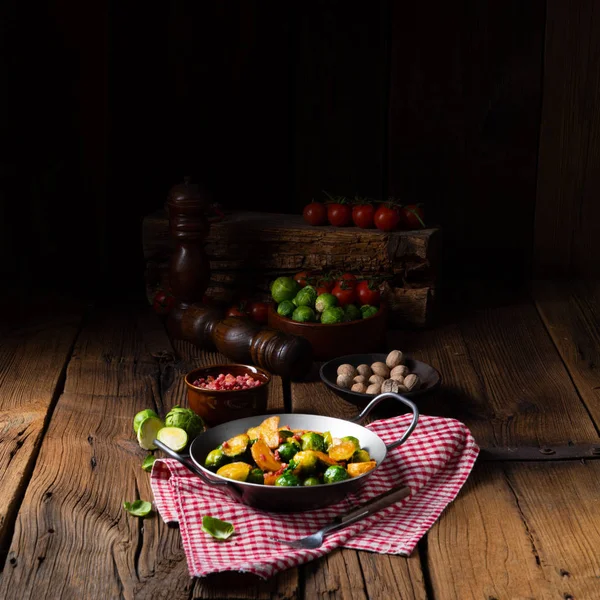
315, 540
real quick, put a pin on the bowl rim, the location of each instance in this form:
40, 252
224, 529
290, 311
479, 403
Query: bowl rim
364, 396
382, 310
226, 366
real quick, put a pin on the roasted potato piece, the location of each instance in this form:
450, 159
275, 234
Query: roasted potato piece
356, 469
263, 457
237, 471
342, 451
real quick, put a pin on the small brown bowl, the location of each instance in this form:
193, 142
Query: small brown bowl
331, 341
220, 406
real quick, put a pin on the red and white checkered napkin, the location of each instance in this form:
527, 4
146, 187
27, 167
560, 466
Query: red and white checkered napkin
435, 462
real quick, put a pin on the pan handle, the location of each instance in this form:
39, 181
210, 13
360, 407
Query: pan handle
415, 413
185, 460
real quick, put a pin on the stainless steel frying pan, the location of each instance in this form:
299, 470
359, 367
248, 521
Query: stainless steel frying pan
292, 499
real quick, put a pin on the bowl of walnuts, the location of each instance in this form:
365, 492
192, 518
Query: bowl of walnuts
358, 378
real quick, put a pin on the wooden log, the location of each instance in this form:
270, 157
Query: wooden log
519, 530
248, 250
33, 359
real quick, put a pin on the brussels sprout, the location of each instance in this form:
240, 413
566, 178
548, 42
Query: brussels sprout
325, 301
286, 308
332, 315
318, 317
238, 471
304, 314
287, 479
284, 288
144, 414
236, 446
311, 481
335, 473
352, 313
256, 476
368, 311
287, 451
306, 296
327, 438
351, 438
215, 459
313, 441
361, 456
284, 434
185, 419
306, 462
342, 450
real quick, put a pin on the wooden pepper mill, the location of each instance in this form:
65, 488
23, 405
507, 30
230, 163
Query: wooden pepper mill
241, 340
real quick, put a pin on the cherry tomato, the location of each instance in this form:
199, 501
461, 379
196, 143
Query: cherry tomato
339, 215
344, 293
387, 218
411, 216
363, 215
163, 302
315, 213
303, 278
368, 293
259, 311
237, 311
347, 279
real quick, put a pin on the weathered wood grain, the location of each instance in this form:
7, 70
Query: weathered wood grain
519, 531
34, 351
503, 378
571, 312
72, 538
347, 574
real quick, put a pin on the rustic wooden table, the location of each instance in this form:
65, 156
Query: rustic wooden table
522, 376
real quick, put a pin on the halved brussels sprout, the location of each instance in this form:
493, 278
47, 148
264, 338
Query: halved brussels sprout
287, 451
236, 446
256, 476
306, 462
327, 439
311, 481
351, 438
342, 450
335, 473
287, 479
313, 441
238, 471
215, 459
356, 469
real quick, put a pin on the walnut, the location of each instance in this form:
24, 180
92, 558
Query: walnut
398, 378
378, 379
364, 370
402, 388
394, 359
344, 381
346, 370
399, 371
380, 368
361, 388
390, 385
412, 382
374, 388
360, 379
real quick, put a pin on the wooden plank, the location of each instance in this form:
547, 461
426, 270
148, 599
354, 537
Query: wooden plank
567, 218
503, 378
571, 312
519, 531
348, 573
72, 537
34, 351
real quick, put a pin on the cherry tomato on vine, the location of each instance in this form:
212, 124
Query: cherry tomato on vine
163, 302
412, 216
347, 279
339, 215
363, 215
387, 218
344, 293
315, 213
368, 293
259, 311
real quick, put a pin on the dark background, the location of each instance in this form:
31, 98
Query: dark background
486, 111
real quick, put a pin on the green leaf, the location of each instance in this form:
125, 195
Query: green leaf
220, 530
291, 466
138, 508
148, 462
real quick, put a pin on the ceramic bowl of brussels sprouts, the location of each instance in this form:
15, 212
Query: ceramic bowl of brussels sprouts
290, 462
